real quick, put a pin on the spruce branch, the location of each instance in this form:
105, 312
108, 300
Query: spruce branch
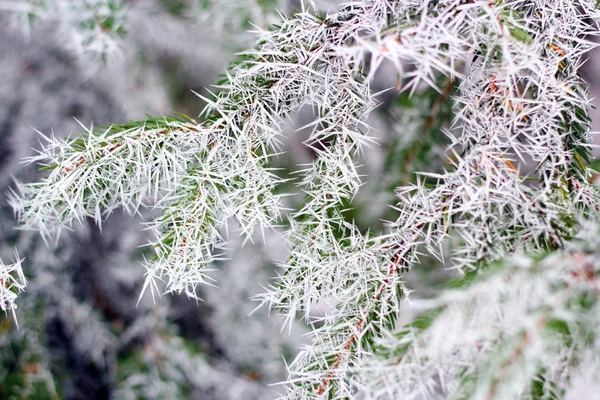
476, 340
119, 166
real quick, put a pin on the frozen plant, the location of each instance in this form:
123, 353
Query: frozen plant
93, 26
97, 27
12, 283
515, 185
477, 340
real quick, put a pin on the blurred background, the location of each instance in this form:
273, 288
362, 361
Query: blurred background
81, 334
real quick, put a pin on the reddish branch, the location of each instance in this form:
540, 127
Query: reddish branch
353, 337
